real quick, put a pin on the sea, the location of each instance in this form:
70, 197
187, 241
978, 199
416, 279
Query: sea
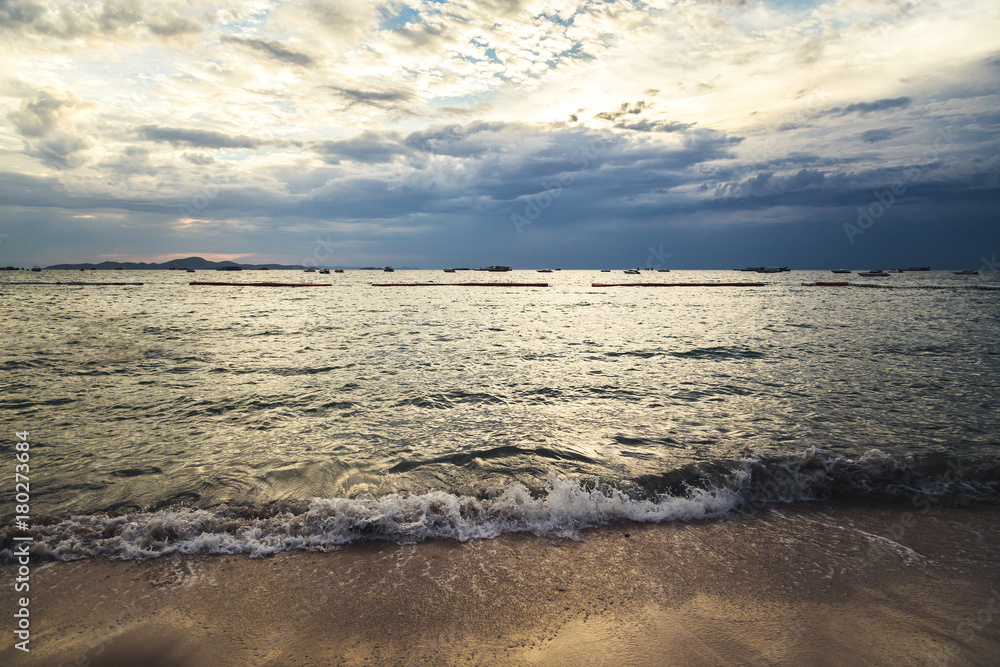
170, 418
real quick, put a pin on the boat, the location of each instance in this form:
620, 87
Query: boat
191, 271
449, 270
966, 272
663, 270
338, 270
605, 270
325, 272
841, 271
877, 273
544, 270
309, 270
919, 268
496, 267
894, 271
36, 268
388, 269
229, 268
632, 272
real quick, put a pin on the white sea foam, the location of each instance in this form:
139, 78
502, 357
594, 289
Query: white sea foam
564, 508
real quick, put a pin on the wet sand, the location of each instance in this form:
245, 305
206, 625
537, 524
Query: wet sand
816, 584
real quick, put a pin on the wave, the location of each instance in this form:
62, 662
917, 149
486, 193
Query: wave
558, 506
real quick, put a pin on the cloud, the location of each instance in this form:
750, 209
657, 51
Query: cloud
270, 48
875, 136
871, 107
116, 19
625, 109
647, 125
49, 109
368, 148
196, 138
383, 99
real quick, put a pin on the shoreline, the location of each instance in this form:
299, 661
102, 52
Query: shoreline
817, 583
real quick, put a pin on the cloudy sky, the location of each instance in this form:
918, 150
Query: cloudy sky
573, 134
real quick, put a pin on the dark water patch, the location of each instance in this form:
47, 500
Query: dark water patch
136, 472
641, 354
719, 353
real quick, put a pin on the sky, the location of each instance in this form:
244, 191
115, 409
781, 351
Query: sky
573, 134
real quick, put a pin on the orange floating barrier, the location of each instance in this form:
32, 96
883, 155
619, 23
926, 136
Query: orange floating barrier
460, 284
199, 282
677, 284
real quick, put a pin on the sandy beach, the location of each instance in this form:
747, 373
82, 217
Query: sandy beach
815, 584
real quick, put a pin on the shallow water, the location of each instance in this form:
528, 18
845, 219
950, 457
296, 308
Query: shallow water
166, 395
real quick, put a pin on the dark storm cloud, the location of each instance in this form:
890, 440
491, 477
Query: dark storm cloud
626, 109
875, 136
176, 136
271, 48
870, 107
383, 99
646, 125
368, 148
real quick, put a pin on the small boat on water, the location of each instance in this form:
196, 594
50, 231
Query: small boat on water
388, 269
632, 272
36, 268
544, 270
338, 270
605, 270
191, 271
325, 272
919, 268
495, 268
309, 270
966, 272
449, 270
841, 271
663, 270
876, 273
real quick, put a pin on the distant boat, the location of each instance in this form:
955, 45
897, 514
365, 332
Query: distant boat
171, 268
36, 268
663, 270
309, 270
325, 272
544, 270
229, 268
388, 269
894, 270
496, 268
632, 272
873, 274
449, 270
966, 272
841, 271
191, 271
919, 268
605, 270
338, 270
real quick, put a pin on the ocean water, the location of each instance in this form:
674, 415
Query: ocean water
170, 418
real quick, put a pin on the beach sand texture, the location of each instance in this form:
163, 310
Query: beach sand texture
811, 584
